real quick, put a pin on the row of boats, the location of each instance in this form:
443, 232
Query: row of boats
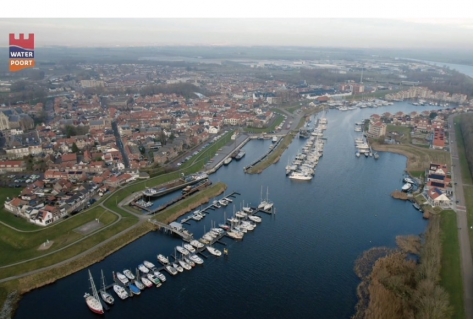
147, 274
302, 167
408, 184
363, 148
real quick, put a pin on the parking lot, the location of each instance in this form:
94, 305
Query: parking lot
18, 179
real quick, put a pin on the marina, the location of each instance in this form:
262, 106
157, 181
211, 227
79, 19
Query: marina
324, 225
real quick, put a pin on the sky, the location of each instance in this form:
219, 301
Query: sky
385, 24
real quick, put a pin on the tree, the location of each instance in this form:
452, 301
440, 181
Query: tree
74, 148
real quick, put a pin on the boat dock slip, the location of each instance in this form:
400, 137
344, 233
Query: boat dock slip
173, 228
197, 187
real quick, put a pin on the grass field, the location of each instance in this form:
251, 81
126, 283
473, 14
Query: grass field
451, 278
466, 173
403, 131
16, 246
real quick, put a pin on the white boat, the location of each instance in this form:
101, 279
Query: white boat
223, 202
93, 301
178, 267
214, 251
196, 244
208, 238
184, 264
129, 274
123, 279
274, 139
146, 282
154, 279
357, 154
224, 226
197, 215
255, 218
227, 160
240, 214
143, 269
408, 180
300, 176
189, 248
189, 261
139, 284
148, 264
106, 297
406, 187
160, 276
120, 291
198, 260
162, 259
248, 210
219, 231
182, 250
235, 235
171, 270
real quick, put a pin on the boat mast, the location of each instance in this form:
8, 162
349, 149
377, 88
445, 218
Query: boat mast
103, 280
94, 290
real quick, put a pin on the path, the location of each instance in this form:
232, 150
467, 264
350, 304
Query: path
463, 233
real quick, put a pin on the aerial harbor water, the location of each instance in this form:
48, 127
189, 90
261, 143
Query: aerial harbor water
298, 262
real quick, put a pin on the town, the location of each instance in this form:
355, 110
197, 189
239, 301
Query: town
105, 125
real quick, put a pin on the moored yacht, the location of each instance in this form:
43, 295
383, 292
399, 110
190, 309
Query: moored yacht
214, 251
120, 291
184, 264
123, 279
182, 250
189, 248
148, 264
143, 269
162, 259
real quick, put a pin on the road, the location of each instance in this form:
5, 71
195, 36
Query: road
459, 207
118, 138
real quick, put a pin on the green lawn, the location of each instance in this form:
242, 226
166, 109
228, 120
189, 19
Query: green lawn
16, 246
466, 173
451, 278
468, 197
403, 131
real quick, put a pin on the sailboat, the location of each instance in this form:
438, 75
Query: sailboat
268, 206
103, 292
262, 204
93, 301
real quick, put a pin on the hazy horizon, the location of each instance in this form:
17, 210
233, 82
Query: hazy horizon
446, 34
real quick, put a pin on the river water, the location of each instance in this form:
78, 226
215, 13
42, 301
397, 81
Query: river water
297, 263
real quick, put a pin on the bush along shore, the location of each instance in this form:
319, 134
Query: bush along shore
11, 291
403, 283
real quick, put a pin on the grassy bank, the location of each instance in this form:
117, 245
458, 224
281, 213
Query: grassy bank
59, 271
274, 156
451, 278
466, 174
418, 159
465, 171
17, 246
402, 131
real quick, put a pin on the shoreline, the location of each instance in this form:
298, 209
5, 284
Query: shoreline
28, 283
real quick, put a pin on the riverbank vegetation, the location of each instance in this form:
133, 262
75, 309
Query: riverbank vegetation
418, 158
404, 282
464, 125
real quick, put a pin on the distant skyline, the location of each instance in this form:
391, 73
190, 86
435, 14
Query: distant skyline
389, 33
